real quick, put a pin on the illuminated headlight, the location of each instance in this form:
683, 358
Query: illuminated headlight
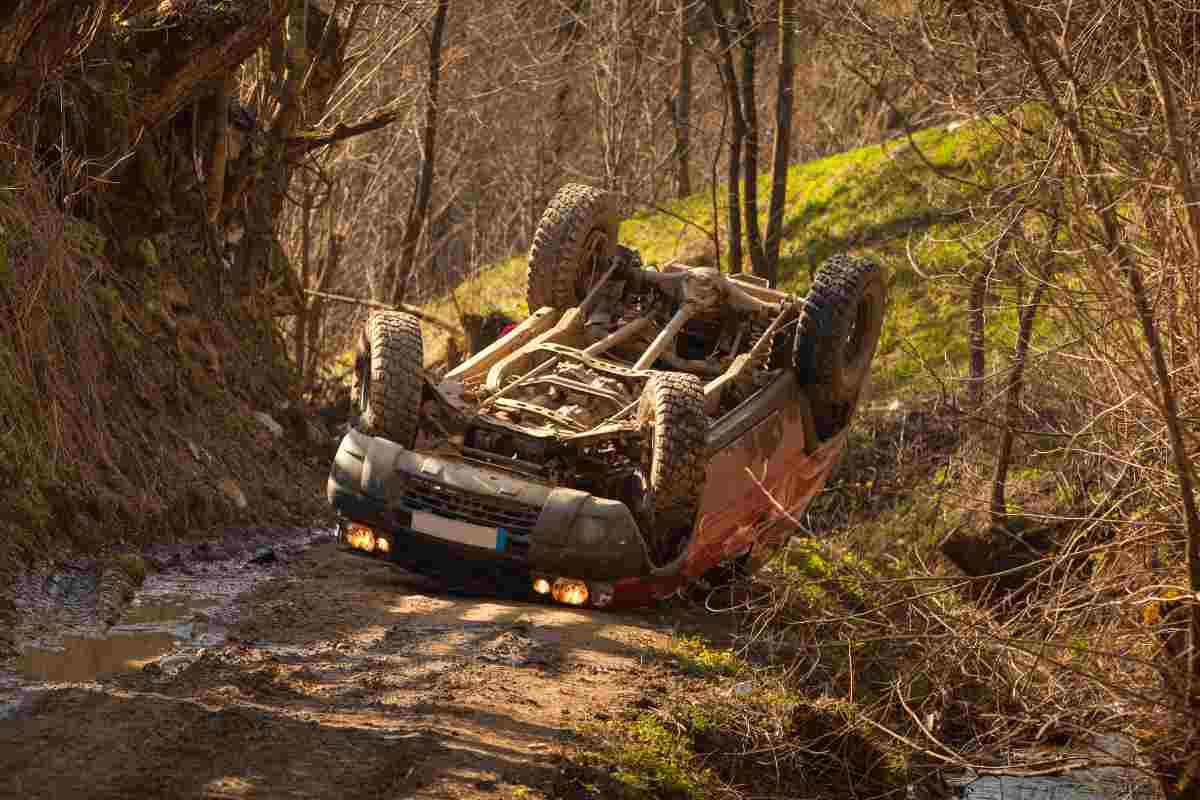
382, 544
541, 586
361, 538
569, 591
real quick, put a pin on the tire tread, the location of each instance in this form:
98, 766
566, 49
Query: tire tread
395, 357
554, 256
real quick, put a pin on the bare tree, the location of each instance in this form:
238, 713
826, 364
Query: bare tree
747, 29
785, 83
681, 116
414, 225
737, 133
976, 338
1028, 306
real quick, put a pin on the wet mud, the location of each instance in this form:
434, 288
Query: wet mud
323, 674
318, 673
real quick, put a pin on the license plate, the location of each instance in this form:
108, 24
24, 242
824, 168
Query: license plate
453, 530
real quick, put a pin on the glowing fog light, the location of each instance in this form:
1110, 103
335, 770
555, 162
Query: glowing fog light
571, 592
361, 538
541, 586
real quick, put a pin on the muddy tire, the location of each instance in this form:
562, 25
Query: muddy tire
580, 222
673, 461
836, 337
388, 377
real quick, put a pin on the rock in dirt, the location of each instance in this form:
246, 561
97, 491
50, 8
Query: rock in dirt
268, 422
230, 489
264, 555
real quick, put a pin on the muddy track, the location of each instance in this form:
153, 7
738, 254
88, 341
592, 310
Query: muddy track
305, 671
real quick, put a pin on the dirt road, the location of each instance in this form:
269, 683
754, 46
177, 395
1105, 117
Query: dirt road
320, 674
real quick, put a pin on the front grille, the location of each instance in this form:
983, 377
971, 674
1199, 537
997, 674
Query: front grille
421, 494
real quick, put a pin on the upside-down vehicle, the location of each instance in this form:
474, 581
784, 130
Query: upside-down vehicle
641, 429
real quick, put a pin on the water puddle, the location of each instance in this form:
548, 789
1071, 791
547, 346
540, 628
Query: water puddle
169, 608
83, 659
1056, 787
1093, 783
170, 620
156, 623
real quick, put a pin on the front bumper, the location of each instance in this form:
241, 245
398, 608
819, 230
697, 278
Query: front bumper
440, 501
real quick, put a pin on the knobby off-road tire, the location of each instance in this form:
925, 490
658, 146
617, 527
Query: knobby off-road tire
836, 337
675, 428
388, 366
580, 222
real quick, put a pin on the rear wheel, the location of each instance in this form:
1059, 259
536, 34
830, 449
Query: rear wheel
836, 337
673, 462
575, 238
388, 377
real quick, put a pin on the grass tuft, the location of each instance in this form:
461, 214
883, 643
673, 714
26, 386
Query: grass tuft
647, 760
697, 657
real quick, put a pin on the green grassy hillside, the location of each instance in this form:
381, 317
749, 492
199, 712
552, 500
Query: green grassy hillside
882, 200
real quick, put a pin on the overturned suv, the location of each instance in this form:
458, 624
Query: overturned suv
643, 428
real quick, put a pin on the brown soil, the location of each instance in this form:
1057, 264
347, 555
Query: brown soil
345, 677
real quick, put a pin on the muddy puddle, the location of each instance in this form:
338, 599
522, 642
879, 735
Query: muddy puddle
1086, 785
174, 615
84, 659
1093, 783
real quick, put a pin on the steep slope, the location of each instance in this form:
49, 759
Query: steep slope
877, 200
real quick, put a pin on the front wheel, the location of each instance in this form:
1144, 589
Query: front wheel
673, 462
389, 378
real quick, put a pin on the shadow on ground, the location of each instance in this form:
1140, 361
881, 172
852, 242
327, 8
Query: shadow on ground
348, 678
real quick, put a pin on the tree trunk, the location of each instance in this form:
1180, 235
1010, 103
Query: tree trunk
749, 43
682, 116
333, 254
304, 317
563, 132
219, 149
737, 132
419, 209
1016, 379
783, 137
975, 339
1012, 405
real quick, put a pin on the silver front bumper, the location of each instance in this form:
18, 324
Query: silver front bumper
554, 529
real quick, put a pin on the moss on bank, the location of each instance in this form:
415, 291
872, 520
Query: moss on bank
121, 393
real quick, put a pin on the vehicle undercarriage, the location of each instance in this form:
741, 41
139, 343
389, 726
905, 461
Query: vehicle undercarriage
602, 404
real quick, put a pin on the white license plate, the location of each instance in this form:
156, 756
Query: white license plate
453, 530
